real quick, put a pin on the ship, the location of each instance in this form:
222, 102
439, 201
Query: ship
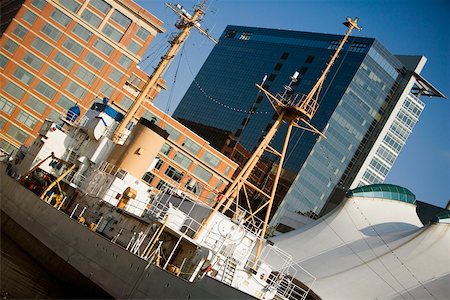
92, 220
76, 200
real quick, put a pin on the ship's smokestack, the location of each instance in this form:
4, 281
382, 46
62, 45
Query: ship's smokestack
140, 148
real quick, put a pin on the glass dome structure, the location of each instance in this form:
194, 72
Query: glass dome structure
384, 191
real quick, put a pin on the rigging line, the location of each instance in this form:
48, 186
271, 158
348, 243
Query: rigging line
337, 70
329, 164
323, 95
361, 259
250, 113
373, 251
163, 48
215, 100
392, 251
174, 82
295, 145
156, 47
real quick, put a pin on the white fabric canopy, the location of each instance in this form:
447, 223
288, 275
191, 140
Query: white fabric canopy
371, 248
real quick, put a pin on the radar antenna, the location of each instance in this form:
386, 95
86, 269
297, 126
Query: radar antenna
185, 24
297, 111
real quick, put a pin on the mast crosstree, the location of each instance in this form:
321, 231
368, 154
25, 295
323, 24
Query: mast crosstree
295, 110
185, 24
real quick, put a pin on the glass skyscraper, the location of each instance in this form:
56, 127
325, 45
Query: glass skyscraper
366, 103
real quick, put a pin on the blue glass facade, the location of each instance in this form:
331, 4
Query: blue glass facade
354, 100
224, 90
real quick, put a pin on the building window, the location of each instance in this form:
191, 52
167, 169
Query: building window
333, 45
17, 134
14, 90
245, 36
193, 186
85, 75
42, 46
35, 62
82, 32
60, 17
143, 33
135, 80
106, 90
173, 173
202, 173
100, 5
309, 59
71, 5
303, 70
148, 177
3, 61
174, 134
150, 116
230, 34
210, 159
357, 47
284, 56
126, 102
124, 61
6, 106
121, 19
24, 76
39, 4
27, 119
182, 160
54, 116
36, 104
46, 90
162, 185
65, 102
2, 124
278, 67
75, 89
51, 31
55, 75
73, 46
20, 31
112, 33
29, 17
271, 77
165, 149
159, 164
134, 47
64, 61
103, 47
91, 18
94, 61
10, 46
115, 75
191, 146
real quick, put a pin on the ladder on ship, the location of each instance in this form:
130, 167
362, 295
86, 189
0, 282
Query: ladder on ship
229, 270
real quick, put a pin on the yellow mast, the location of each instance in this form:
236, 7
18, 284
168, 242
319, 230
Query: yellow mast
185, 25
293, 110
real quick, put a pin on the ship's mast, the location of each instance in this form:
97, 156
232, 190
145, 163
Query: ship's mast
185, 24
294, 110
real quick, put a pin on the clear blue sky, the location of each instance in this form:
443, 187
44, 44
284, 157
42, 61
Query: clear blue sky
404, 27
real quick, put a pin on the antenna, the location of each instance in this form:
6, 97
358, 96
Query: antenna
185, 24
293, 110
